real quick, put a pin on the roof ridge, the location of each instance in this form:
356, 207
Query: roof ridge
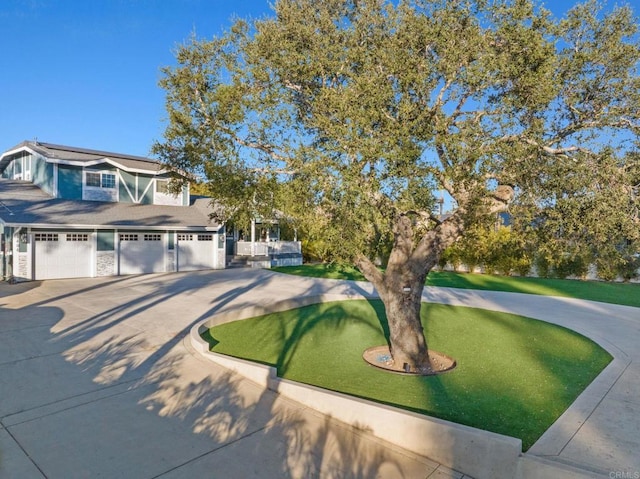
89, 151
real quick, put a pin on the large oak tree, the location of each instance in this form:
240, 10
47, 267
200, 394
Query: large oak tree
350, 116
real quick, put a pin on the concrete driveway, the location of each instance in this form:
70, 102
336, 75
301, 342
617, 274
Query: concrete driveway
97, 380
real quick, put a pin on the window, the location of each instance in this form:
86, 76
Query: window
106, 241
108, 180
77, 237
46, 237
205, 237
152, 237
162, 186
100, 179
128, 237
185, 237
93, 179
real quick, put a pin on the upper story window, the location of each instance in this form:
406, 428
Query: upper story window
100, 186
162, 186
163, 194
100, 179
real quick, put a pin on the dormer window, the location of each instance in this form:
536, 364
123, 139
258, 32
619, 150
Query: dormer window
100, 186
162, 186
163, 195
100, 180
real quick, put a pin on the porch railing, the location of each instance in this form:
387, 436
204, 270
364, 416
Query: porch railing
266, 248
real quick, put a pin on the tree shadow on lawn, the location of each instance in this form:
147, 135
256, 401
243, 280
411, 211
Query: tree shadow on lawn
220, 418
515, 375
488, 282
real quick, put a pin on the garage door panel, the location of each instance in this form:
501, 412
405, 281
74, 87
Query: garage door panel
141, 253
195, 251
63, 255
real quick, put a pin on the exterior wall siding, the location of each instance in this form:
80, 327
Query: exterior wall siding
69, 182
135, 188
9, 170
42, 174
145, 190
127, 186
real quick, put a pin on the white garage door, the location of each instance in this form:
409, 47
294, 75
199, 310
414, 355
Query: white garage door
63, 255
195, 251
141, 253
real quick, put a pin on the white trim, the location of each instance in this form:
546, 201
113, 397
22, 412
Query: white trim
94, 253
216, 242
17, 150
100, 227
116, 250
152, 182
127, 188
56, 191
104, 160
100, 193
26, 172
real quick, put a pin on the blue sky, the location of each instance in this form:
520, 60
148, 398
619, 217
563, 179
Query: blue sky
85, 72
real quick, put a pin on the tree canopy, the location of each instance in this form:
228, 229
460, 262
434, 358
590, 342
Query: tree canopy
351, 116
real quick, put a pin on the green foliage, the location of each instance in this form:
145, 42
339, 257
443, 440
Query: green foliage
506, 253
613, 263
347, 115
497, 249
563, 263
574, 264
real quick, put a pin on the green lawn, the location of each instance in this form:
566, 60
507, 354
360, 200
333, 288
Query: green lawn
616, 293
515, 375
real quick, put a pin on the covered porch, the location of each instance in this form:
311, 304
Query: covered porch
261, 246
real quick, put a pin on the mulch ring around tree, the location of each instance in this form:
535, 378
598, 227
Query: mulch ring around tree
380, 357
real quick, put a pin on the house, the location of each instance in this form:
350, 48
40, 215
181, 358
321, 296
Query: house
72, 212
68, 212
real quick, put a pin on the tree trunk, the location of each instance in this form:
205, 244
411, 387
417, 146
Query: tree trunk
402, 302
400, 288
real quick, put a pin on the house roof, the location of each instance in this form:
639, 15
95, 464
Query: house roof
25, 204
83, 157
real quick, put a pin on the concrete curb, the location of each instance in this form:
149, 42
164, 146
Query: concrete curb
480, 454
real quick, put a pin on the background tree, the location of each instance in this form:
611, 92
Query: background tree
351, 114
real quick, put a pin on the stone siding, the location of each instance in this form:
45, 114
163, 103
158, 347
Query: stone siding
105, 263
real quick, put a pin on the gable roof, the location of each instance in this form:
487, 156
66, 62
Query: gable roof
24, 204
72, 155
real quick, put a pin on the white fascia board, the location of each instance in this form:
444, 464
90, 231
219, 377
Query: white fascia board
135, 170
101, 161
57, 226
18, 150
61, 161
